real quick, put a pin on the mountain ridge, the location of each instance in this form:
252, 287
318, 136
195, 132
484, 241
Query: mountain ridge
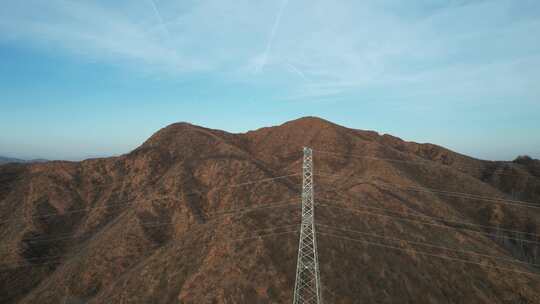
142, 227
7, 160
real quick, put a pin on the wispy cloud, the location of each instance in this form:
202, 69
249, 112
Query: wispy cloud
262, 59
291, 67
160, 18
328, 47
381, 63
96, 32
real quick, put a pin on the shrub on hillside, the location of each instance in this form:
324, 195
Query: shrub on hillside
532, 165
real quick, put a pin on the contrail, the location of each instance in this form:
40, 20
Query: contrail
295, 70
160, 19
264, 59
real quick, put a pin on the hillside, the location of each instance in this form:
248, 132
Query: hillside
196, 215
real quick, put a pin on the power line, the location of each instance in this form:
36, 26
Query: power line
224, 241
155, 249
215, 217
132, 202
47, 215
431, 190
157, 224
418, 162
428, 254
466, 195
308, 267
431, 245
424, 223
418, 214
447, 193
55, 257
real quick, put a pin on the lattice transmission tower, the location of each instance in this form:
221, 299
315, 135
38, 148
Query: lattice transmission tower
307, 289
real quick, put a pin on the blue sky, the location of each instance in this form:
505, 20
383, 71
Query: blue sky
93, 78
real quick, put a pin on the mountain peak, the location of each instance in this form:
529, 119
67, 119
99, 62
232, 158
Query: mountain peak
312, 121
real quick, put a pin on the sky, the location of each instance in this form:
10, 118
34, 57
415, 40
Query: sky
83, 79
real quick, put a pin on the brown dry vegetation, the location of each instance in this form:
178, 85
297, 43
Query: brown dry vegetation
140, 228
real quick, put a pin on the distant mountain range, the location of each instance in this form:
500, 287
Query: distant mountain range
6, 160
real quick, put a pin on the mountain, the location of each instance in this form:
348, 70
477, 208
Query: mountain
7, 160
196, 215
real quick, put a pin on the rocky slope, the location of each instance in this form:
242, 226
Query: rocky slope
163, 224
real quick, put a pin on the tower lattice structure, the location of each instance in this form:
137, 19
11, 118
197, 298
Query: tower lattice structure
307, 289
